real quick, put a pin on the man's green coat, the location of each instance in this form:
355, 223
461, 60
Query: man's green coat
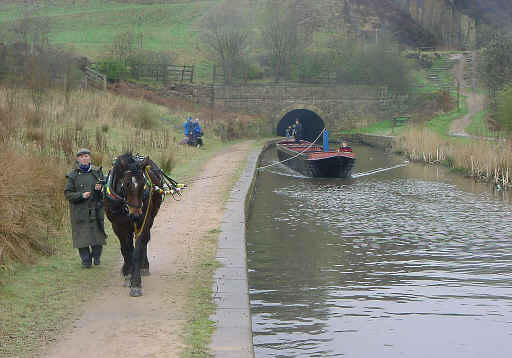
87, 215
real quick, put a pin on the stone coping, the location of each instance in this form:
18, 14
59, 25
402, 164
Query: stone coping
233, 334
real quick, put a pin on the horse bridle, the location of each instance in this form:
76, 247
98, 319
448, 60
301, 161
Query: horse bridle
125, 202
119, 197
173, 187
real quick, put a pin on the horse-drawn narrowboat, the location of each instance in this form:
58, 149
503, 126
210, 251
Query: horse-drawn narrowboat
311, 160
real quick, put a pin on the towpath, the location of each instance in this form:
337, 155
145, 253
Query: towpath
115, 325
465, 73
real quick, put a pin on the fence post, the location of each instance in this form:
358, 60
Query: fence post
192, 74
165, 72
182, 74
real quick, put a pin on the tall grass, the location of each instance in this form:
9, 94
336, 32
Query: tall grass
489, 161
37, 149
31, 203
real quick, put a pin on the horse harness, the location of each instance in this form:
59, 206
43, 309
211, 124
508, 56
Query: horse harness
168, 186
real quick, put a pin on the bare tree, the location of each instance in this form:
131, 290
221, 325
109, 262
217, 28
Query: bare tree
226, 34
122, 46
37, 78
280, 37
32, 31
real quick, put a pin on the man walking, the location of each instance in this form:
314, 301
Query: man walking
83, 191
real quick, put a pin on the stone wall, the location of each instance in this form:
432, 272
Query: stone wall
340, 107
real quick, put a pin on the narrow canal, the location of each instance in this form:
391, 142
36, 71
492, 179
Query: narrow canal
409, 262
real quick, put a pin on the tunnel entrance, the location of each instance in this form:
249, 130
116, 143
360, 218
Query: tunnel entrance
312, 124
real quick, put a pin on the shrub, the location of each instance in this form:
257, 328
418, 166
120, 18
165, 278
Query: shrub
33, 119
144, 118
166, 161
114, 70
35, 135
97, 158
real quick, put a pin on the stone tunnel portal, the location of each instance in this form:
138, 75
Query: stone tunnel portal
312, 124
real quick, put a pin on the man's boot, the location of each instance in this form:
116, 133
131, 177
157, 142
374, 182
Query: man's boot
96, 253
85, 255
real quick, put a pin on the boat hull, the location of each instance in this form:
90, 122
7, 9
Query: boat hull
316, 163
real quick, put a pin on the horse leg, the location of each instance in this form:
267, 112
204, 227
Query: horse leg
144, 268
127, 251
126, 242
136, 280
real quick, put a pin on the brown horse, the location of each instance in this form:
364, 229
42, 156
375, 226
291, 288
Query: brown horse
134, 190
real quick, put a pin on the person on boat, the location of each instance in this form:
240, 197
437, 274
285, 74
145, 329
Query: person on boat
298, 130
345, 148
83, 190
289, 132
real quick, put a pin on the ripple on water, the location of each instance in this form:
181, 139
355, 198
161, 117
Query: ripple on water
388, 266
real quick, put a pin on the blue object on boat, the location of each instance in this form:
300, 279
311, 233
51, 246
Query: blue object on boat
326, 140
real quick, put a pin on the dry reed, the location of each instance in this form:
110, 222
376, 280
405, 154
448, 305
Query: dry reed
31, 204
484, 160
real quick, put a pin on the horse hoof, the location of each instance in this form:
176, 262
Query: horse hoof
145, 272
127, 280
136, 292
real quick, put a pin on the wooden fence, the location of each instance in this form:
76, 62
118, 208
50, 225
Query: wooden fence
94, 79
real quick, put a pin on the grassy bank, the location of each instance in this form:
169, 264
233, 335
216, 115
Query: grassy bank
90, 26
429, 142
479, 126
442, 122
481, 159
199, 327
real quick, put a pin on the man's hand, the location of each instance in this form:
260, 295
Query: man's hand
97, 187
86, 195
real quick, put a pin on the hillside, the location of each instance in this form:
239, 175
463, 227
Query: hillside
498, 12
89, 27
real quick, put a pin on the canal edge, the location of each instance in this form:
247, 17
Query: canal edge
373, 140
233, 334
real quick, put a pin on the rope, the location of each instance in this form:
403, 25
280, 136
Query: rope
312, 143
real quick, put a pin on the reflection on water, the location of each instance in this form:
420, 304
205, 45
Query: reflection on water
412, 262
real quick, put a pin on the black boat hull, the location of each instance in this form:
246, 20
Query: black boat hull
331, 167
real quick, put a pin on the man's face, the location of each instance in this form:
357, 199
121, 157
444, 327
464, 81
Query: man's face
84, 159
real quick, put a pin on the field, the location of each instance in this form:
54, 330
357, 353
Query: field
89, 26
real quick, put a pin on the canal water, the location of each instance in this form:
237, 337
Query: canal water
412, 261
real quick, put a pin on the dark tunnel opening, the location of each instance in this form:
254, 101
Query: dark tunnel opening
312, 124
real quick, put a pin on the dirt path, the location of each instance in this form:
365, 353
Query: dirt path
474, 100
115, 325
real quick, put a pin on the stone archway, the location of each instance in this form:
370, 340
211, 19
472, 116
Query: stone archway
311, 120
